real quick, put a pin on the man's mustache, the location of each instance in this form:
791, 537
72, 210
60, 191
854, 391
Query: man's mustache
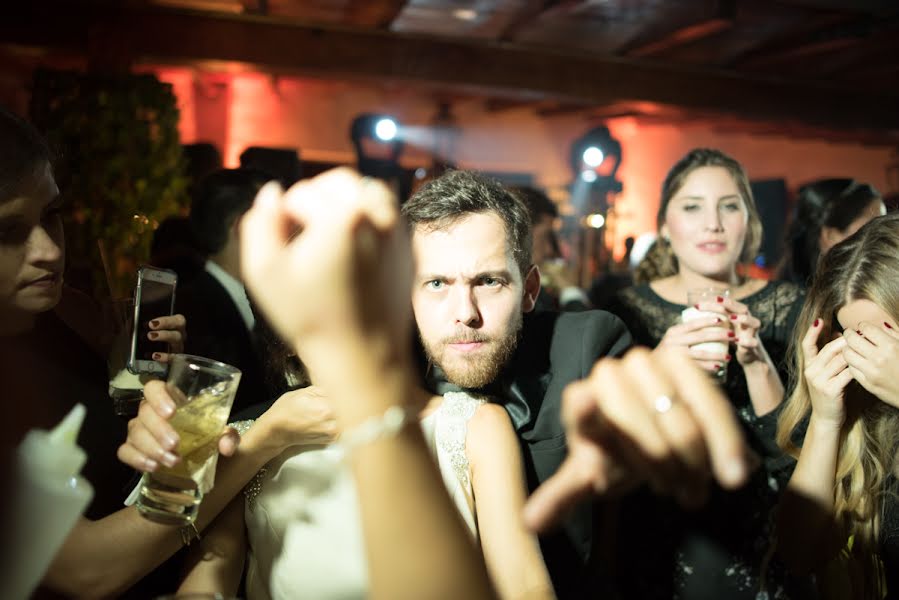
466, 338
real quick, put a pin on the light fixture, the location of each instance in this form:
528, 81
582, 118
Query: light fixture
378, 141
593, 157
465, 14
386, 129
595, 221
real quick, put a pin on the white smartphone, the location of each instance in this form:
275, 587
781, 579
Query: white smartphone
154, 297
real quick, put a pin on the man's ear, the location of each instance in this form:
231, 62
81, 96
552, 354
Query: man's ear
531, 289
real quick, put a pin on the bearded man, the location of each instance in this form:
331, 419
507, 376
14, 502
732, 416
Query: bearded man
473, 296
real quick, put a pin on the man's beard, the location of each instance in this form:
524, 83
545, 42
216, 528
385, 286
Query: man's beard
479, 369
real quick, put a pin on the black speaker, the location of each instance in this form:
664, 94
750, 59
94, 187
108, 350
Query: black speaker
281, 163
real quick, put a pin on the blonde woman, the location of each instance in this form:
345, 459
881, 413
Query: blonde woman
840, 518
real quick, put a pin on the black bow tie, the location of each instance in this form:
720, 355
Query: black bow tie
505, 390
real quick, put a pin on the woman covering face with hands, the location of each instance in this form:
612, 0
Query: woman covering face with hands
840, 517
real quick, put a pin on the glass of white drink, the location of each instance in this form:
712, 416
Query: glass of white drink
697, 296
203, 391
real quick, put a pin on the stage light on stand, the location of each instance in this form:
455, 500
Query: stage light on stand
594, 221
378, 141
593, 157
386, 129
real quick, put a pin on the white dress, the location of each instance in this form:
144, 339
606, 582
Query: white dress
302, 514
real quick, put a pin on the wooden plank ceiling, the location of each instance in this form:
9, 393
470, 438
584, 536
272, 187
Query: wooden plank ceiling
819, 64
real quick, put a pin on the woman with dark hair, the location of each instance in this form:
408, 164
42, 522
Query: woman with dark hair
49, 364
827, 212
708, 226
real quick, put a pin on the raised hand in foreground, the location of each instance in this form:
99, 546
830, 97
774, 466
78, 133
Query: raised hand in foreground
650, 417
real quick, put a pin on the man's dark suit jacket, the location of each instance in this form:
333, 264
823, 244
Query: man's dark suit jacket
555, 349
216, 330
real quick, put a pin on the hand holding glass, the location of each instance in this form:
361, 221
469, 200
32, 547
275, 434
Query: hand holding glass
203, 391
698, 296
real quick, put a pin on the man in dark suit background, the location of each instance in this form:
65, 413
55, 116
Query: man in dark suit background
473, 294
220, 321
558, 290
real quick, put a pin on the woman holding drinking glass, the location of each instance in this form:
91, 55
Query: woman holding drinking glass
737, 329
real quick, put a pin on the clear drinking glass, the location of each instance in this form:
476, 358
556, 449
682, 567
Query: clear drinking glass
691, 313
203, 391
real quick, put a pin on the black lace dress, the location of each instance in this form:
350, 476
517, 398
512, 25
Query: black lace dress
725, 549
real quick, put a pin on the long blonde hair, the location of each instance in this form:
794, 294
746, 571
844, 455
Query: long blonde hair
662, 255
863, 267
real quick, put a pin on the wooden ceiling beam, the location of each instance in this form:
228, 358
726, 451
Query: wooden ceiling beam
502, 70
562, 109
811, 28
680, 37
720, 19
379, 14
500, 105
532, 11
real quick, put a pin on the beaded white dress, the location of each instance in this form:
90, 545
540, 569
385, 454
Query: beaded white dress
302, 514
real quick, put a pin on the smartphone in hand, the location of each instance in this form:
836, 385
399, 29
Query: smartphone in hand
154, 297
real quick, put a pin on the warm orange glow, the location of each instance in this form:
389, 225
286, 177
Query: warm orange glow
236, 108
182, 81
255, 116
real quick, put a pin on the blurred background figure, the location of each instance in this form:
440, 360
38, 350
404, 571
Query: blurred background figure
214, 300
827, 212
559, 289
173, 247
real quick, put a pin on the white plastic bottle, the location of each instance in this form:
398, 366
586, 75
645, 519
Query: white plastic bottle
50, 496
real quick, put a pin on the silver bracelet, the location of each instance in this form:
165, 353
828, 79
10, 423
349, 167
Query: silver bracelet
375, 428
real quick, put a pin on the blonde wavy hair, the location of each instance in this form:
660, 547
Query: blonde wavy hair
863, 267
661, 257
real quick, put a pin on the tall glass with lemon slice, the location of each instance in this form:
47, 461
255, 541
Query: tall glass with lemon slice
203, 391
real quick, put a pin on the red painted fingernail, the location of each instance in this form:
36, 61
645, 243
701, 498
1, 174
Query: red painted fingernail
731, 334
696, 306
727, 357
154, 323
817, 321
157, 356
720, 298
858, 331
887, 325
153, 335
733, 317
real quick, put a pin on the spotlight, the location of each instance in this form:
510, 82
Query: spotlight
465, 14
379, 143
596, 221
386, 129
597, 151
593, 157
